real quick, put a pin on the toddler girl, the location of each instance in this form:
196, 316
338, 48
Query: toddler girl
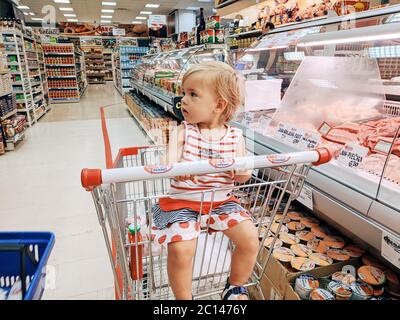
212, 92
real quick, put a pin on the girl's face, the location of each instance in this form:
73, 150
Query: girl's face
200, 103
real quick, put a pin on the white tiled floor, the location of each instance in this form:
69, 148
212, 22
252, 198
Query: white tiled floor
40, 189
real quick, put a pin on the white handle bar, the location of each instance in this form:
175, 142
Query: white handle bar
94, 177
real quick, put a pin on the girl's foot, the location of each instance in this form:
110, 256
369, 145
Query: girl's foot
235, 293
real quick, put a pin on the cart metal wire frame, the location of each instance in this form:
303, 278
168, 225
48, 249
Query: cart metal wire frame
137, 180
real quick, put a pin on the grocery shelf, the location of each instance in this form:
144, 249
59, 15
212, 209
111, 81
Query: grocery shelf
59, 65
64, 88
5, 93
61, 77
59, 53
10, 114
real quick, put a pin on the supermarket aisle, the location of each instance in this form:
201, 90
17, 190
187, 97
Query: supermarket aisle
40, 189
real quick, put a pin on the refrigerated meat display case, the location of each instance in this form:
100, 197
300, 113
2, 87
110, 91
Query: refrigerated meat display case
340, 91
159, 75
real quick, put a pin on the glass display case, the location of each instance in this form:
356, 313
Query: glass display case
335, 87
159, 76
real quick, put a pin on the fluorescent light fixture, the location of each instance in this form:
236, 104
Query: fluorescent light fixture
107, 3
373, 33
106, 17
72, 15
23, 7
141, 18
26, 14
146, 12
136, 22
105, 21
72, 20
322, 83
204, 0
150, 5
61, 1
31, 13
37, 19
192, 8
66, 9
384, 52
107, 10
294, 56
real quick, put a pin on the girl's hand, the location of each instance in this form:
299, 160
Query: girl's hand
187, 177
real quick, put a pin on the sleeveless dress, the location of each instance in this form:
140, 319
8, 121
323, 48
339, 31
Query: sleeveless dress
180, 216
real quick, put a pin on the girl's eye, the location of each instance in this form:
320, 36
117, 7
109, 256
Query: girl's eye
193, 94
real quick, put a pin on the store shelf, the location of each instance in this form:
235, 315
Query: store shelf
64, 88
5, 93
8, 115
59, 53
244, 34
61, 77
59, 65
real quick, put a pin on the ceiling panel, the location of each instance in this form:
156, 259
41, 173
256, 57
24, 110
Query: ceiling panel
125, 11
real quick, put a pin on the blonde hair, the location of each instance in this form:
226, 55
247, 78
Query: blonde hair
229, 86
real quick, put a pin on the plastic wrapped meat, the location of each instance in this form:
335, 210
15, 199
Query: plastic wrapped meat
341, 136
350, 127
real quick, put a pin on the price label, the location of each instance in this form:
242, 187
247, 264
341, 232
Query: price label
383, 146
390, 248
351, 155
248, 119
310, 140
300, 138
306, 197
324, 129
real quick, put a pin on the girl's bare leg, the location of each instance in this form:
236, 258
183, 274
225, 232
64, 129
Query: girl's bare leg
180, 262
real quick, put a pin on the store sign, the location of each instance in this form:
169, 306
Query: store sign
306, 197
390, 248
300, 138
351, 155
118, 32
155, 20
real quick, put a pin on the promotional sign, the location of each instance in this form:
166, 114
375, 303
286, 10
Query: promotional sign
118, 32
90, 29
390, 248
157, 25
298, 137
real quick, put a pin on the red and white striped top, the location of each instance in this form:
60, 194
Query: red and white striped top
197, 148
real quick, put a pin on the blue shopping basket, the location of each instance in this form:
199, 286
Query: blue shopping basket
23, 256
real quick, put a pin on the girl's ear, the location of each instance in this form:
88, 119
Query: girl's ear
221, 105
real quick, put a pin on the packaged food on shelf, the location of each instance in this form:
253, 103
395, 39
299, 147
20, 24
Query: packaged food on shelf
13, 126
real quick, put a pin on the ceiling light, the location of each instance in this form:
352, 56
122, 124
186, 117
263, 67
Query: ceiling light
37, 19
66, 9
204, 0
105, 21
141, 18
146, 12
72, 20
31, 13
136, 22
23, 7
106, 3
70, 15
192, 8
107, 10
107, 17
150, 5
26, 14
61, 1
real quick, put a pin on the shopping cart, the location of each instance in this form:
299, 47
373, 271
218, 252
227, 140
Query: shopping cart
126, 192
23, 259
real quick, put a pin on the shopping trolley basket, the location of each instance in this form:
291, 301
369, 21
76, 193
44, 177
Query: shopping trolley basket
23, 259
125, 195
